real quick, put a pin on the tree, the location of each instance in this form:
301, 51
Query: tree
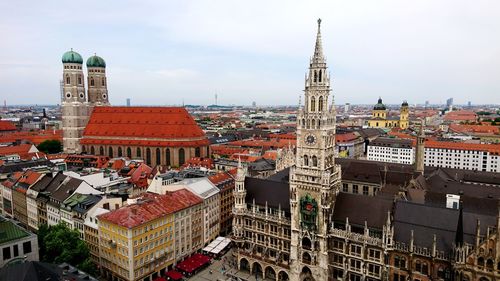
59, 243
50, 146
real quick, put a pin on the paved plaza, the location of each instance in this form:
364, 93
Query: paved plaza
224, 269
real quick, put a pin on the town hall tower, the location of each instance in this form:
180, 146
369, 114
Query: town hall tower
315, 178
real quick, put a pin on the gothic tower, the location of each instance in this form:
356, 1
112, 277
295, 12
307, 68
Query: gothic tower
420, 150
403, 117
315, 178
74, 103
96, 81
239, 203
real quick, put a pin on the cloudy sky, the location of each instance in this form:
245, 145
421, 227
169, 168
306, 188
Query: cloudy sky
167, 52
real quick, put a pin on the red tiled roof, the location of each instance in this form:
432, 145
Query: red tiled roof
15, 149
139, 175
75, 159
346, 137
492, 148
35, 137
151, 207
220, 177
481, 129
199, 162
7, 126
22, 150
460, 115
143, 126
270, 154
29, 177
287, 136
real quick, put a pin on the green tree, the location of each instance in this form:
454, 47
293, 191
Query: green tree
50, 146
59, 243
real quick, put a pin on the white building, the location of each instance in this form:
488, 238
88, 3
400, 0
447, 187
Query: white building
391, 150
459, 155
456, 155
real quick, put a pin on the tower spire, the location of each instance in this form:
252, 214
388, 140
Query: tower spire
318, 49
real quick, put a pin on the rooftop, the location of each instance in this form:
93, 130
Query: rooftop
155, 126
10, 231
150, 207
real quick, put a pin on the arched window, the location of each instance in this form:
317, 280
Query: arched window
91, 81
158, 156
102, 81
120, 153
92, 150
306, 258
129, 152
148, 156
315, 76
489, 264
480, 261
167, 155
303, 122
320, 103
306, 160
197, 152
315, 161
313, 104
319, 78
182, 156
101, 151
138, 152
110, 152
79, 80
306, 243
68, 80
84, 149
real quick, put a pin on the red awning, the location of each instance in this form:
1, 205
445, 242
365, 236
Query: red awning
193, 263
174, 275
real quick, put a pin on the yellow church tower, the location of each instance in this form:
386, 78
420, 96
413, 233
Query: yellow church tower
403, 116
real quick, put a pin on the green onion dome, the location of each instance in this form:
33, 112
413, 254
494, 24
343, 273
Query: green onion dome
72, 57
96, 61
379, 105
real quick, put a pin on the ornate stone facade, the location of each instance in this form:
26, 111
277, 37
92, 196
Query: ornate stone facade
378, 222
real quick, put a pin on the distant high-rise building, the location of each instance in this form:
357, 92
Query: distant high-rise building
346, 107
426, 103
254, 104
469, 104
449, 102
128, 102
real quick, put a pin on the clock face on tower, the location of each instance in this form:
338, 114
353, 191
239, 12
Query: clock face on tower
310, 139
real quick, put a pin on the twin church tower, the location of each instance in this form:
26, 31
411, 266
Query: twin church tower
77, 104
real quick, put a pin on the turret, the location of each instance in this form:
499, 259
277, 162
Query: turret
97, 84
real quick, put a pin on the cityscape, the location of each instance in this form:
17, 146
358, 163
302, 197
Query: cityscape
104, 185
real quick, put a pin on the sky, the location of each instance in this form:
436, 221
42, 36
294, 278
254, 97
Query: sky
174, 52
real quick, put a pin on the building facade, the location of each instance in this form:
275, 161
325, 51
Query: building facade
138, 241
391, 150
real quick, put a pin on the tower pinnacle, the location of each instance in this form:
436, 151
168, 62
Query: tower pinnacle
318, 49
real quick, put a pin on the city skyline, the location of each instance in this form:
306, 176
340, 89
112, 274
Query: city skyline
181, 53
